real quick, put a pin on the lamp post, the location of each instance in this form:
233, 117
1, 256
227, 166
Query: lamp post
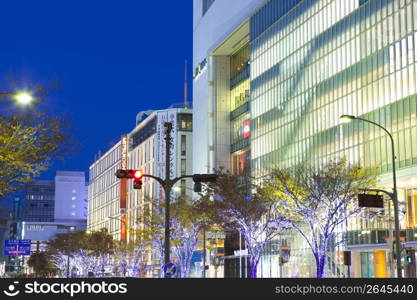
22, 98
393, 195
69, 229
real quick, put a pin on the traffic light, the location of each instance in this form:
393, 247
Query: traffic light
13, 230
409, 254
197, 187
129, 174
136, 175
205, 177
347, 258
199, 178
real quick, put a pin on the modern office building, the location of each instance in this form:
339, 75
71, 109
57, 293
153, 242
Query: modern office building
272, 79
113, 203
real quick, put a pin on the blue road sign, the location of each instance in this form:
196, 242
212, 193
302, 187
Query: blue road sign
17, 247
24, 247
169, 269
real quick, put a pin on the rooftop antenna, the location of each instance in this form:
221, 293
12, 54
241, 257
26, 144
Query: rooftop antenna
185, 86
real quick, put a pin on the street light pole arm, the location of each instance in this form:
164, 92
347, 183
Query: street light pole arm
378, 125
391, 195
181, 177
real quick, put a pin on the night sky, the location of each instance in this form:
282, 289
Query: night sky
111, 59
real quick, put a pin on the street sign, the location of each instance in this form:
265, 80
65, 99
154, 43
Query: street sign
368, 200
169, 269
17, 247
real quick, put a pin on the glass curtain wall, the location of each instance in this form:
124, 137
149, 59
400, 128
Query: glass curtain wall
315, 60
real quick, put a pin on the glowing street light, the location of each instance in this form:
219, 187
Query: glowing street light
23, 98
346, 118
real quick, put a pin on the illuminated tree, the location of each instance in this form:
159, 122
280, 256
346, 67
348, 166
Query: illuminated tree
189, 218
241, 206
317, 201
87, 252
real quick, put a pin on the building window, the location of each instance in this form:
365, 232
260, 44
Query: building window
183, 145
206, 5
73, 198
183, 167
74, 191
185, 122
143, 134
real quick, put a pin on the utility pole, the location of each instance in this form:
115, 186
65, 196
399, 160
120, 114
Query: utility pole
37, 258
204, 252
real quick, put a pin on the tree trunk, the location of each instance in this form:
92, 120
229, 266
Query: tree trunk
320, 264
254, 267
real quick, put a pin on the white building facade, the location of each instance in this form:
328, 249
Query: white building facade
104, 193
146, 152
113, 203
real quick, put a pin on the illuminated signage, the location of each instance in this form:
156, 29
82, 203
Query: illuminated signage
200, 68
246, 129
124, 152
243, 131
123, 182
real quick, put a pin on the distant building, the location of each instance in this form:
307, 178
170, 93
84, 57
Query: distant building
70, 197
38, 201
42, 209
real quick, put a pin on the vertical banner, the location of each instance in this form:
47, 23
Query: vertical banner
162, 117
123, 185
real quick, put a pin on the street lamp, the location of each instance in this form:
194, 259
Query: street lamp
22, 98
394, 194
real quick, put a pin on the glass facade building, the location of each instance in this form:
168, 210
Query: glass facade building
328, 58
311, 62
273, 87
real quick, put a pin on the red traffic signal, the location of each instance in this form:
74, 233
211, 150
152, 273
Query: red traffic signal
138, 174
129, 174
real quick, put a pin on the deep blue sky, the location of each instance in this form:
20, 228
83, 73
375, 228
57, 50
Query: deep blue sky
112, 58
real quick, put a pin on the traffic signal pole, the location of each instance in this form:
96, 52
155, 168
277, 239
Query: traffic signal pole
167, 185
167, 190
394, 198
